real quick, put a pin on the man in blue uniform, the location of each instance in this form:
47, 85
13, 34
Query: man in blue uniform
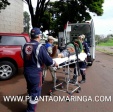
83, 65
35, 56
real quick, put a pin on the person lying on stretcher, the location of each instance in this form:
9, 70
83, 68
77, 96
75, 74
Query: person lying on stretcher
70, 48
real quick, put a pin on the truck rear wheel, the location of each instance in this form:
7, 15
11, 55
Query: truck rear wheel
90, 64
7, 70
89, 61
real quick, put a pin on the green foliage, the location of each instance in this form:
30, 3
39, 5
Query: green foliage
26, 22
3, 4
98, 39
46, 20
108, 41
74, 11
54, 15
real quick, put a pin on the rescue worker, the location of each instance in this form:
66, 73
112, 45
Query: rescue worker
49, 44
49, 48
81, 64
34, 56
85, 45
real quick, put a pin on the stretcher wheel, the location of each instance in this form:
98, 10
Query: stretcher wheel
50, 93
69, 93
61, 86
78, 90
67, 100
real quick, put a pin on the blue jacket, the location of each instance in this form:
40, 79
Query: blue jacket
49, 47
34, 57
85, 47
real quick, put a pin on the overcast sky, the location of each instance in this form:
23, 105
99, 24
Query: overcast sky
103, 24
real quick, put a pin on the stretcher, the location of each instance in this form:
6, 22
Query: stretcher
65, 64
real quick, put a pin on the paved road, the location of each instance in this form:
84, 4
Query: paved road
99, 85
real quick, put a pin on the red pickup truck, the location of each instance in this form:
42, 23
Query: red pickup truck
10, 53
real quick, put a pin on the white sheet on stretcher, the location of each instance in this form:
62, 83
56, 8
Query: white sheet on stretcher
81, 56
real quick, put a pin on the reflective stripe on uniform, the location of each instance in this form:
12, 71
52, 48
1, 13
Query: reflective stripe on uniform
82, 68
37, 53
33, 101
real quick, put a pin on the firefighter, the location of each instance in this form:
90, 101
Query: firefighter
34, 56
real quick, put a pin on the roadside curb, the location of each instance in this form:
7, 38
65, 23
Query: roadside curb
105, 51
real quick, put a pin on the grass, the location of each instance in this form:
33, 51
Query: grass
107, 43
103, 46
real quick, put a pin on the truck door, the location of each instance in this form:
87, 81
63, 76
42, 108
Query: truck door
92, 40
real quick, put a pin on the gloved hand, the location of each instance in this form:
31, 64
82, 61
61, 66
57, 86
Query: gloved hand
88, 54
56, 64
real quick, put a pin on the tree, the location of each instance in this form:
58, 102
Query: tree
75, 11
98, 39
36, 16
3, 4
63, 11
26, 22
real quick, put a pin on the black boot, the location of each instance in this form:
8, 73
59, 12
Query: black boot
74, 79
83, 76
82, 81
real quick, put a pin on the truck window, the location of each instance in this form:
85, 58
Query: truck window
79, 29
12, 40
